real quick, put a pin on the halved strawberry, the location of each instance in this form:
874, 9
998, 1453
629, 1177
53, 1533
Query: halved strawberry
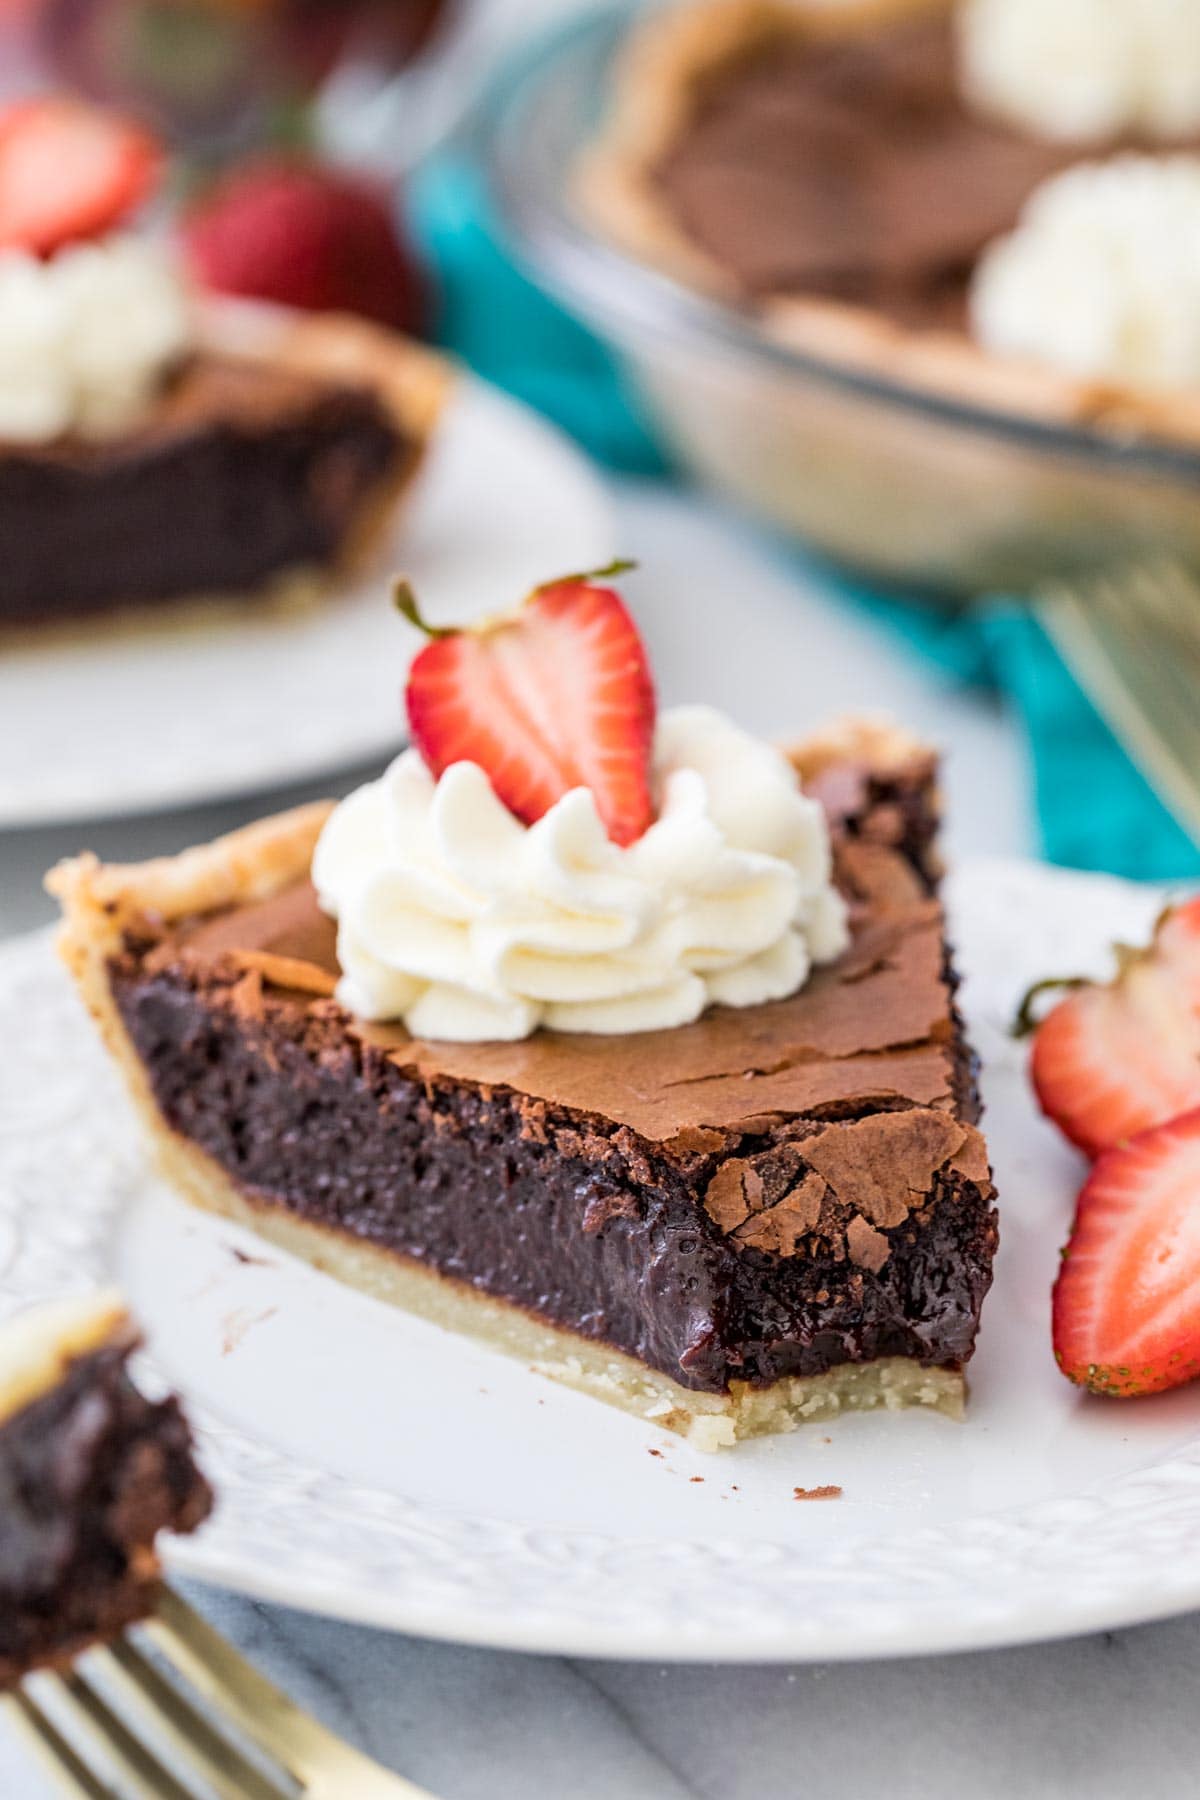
1112, 1059
1127, 1298
554, 696
69, 170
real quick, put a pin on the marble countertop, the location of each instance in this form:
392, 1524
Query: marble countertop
1107, 1717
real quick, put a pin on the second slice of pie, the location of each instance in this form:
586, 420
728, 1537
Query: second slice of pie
91, 1472
161, 453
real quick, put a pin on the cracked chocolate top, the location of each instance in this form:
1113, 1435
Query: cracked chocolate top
774, 1199
875, 1030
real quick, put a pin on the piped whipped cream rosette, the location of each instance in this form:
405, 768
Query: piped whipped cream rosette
1101, 277
87, 337
1086, 71
92, 319
466, 920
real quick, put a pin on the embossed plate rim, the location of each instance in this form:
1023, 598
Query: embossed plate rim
1049, 1569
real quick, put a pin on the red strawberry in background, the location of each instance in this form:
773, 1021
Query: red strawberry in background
312, 34
1113, 1058
194, 63
305, 236
1127, 1298
69, 170
554, 696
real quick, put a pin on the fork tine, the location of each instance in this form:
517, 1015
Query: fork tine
1142, 673
1161, 667
140, 1773
50, 1748
1141, 645
320, 1764
155, 1704
1161, 604
1153, 715
230, 1684
1172, 594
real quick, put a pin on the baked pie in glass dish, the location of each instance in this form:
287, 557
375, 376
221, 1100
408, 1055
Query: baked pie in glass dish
913, 280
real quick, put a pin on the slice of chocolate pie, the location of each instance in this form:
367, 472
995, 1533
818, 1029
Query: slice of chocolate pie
268, 465
625, 1053
90, 1472
155, 448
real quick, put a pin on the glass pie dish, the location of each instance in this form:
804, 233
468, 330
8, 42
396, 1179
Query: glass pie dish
898, 479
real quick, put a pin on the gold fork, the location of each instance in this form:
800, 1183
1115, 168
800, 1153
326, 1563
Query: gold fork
1132, 639
117, 1724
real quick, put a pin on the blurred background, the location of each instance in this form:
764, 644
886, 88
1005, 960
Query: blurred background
935, 527
382, 80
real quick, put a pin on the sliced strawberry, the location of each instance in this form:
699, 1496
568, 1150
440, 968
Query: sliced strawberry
67, 171
1127, 1298
1110, 1060
554, 696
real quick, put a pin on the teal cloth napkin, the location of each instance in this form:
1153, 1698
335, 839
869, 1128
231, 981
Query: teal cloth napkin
1094, 809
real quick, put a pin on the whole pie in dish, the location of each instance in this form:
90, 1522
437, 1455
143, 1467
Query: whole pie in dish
724, 1211
830, 169
90, 1472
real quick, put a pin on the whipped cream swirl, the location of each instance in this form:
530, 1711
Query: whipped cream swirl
1084, 70
87, 336
464, 923
1101, 278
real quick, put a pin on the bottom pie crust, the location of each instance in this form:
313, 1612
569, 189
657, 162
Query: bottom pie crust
708, 1421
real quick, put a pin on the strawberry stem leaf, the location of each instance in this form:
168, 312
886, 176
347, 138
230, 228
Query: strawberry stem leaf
405, 602
620, 565
1127, 957
1028, 1019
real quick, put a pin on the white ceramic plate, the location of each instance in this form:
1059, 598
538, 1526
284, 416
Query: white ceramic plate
375, 1468
171, 714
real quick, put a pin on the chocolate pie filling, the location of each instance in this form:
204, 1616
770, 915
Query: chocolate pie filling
850, 167
245, 472
89, 1474
768, 1191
